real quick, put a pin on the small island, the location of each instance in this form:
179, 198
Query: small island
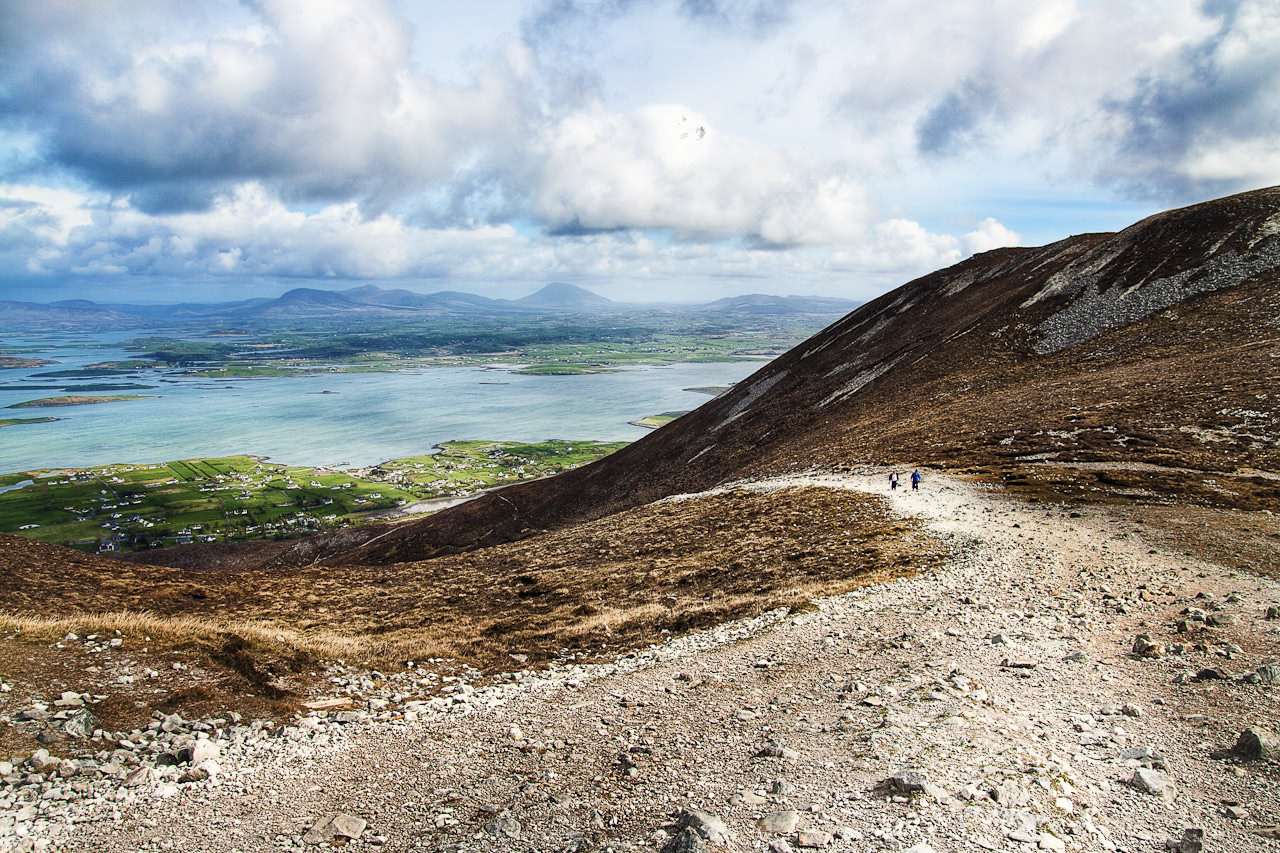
560, 369
77, 400
12, 362
6, 422
126, 364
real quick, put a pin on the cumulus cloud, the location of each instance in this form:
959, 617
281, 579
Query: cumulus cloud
990, 234
1185, 127
252, 235
1138, 96
249, 232
317, 138
665, 167
314, 97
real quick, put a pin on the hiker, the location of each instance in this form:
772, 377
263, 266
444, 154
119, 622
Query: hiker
915, 481
893, 480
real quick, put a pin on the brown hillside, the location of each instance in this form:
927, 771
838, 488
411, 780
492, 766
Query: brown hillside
1154, 346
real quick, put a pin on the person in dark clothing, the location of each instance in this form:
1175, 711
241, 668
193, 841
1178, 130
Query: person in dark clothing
893, 480
915, 481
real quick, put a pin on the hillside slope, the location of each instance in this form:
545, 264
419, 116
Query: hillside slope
1154, 346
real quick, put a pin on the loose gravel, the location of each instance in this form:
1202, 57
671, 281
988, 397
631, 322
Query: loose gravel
1004, 701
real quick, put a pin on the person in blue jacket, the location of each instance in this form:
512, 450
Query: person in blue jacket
915, 481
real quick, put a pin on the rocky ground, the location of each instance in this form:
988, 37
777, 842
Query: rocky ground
1062, 681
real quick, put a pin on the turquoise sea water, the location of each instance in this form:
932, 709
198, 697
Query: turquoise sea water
368, 417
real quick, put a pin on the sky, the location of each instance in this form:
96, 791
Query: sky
686, 150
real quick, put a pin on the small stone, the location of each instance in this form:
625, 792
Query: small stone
813, 838
1268, 674
1143, 756
773, 749
348, 826
347, 717
686, 840
203, 750
779, 822
1009, 793
1049, 841
1153, 782
907, 781
140, 776
504, 825
1192, 841
1237, 812
781, 787
80, 724
41, 759
334, 826
1257, 743
707, 825
1144, 646
1221, 620
1211, 674
194, 774
1131, 710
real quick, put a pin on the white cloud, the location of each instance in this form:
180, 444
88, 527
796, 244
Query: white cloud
351, 138
250, 234
989, 235
666, 167
48, 213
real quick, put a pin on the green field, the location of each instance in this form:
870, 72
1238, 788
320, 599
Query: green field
239, 498
462, 467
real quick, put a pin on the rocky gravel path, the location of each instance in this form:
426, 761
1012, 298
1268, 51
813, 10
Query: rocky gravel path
1061, 684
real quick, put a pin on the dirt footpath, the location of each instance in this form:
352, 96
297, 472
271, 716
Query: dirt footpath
1007, 679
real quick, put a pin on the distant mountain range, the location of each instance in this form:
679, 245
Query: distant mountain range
372, 302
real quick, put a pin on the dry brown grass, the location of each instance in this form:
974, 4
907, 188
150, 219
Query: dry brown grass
178, 631
619, 582
258, 641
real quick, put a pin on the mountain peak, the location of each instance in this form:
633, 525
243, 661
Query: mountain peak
558, 294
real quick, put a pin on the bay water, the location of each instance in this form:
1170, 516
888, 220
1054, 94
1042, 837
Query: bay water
324, 419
